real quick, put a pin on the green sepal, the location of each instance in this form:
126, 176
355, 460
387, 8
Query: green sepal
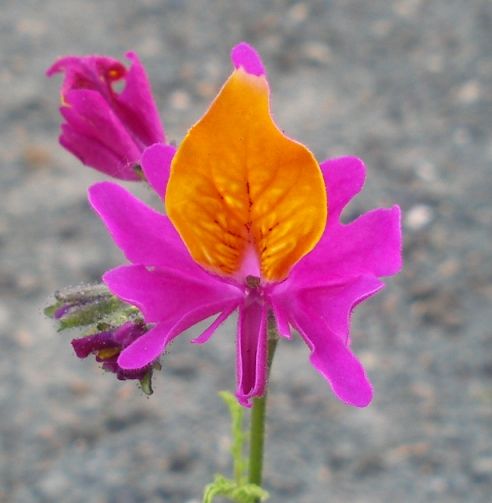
90, 305
90, 314
51, 310
146, 383
93, 309
83, 293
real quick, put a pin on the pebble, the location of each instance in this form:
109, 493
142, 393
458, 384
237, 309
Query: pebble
180, 100
426, 171
469, 92
317, 52
418, 217
482, 466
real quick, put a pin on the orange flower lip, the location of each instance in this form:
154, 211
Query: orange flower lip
239, 185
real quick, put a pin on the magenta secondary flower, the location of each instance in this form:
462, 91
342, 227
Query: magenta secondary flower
109, 324
106, 129
107, 345
253, 227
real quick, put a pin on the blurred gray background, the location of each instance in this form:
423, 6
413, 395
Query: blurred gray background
406, 85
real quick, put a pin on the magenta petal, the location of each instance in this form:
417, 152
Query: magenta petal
344, 178
88, 72
166, 294
156, 163
90, 122
177, 303
246, 57
136, 105
251, 351
91, 115
93, 153
369, 245
84, 346
150, 346
280, 308
333, 304
174, 300
208, 332
334, 361
145, 349
145, 236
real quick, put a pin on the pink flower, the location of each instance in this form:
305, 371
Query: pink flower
105, 129
253, 227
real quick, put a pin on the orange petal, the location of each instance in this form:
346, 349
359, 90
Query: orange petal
237, 183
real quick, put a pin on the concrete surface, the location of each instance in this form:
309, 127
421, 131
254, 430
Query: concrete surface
406, 85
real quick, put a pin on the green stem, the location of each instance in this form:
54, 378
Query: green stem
257, 440
258, 412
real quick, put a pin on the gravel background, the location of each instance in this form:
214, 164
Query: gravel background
406, 85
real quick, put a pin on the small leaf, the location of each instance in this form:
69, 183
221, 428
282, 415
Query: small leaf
50, 310
245, 493
146, 383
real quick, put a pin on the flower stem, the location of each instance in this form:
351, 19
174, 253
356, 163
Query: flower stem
258, 413
257, 438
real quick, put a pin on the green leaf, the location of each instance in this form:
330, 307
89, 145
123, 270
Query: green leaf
244, 493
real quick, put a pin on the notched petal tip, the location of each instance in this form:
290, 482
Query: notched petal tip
344, 373
246, 57
344, 179
332, 358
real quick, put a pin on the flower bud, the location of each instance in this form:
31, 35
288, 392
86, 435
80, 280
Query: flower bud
106, 129
110, 326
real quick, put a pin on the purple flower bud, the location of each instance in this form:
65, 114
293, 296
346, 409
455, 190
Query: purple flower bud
106, 129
